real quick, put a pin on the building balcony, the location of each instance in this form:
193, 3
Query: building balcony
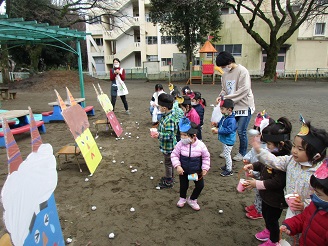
135, 47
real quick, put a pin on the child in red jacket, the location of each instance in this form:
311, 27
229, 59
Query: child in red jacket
313, 221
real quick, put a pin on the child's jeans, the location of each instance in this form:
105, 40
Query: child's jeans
227, 156
184, 185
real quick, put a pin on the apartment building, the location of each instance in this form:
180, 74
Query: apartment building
138, 43
132, 38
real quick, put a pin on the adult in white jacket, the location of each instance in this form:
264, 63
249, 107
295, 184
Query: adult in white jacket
236, 85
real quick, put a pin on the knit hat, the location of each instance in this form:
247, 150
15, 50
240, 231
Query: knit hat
186, 126
227, 103
165, 100
321, 174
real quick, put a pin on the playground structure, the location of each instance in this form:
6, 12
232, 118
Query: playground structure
207, 67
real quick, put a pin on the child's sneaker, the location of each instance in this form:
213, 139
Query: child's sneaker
226, 173
250, 208
181, 202
238, 157
263, 235
165, 183
269, 243
254, 215
193, 204
223, 168
127, 112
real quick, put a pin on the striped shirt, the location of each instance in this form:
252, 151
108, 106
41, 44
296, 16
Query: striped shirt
167, 130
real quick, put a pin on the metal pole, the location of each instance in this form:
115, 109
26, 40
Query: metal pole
316, 75
79, 61
170, 73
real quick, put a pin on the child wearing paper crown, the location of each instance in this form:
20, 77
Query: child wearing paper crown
272, 182
313, 221
192, 160
308, 151
226, 130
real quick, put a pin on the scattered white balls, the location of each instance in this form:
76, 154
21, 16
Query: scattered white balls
220, 211
122, 162
132, 209
134, 170
86, 180
114, 161
151, 177
111, 235
158, 188
93, 208
69, 240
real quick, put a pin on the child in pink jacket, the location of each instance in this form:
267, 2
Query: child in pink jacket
192, 160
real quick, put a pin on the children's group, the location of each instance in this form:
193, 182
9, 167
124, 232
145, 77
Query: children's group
285, 172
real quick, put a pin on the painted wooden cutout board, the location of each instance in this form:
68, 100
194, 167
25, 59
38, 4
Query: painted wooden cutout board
108, 108
30, 213
78, 123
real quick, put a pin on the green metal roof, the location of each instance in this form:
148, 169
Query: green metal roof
18, 32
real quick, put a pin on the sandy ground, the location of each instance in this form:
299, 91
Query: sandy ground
114, 189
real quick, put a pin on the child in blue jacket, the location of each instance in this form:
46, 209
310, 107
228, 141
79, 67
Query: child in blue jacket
226, 129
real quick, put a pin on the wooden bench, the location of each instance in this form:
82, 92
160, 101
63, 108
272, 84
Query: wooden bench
69, 150
101, 122
21, 129
12, 94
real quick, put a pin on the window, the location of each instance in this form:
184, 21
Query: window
226, 11
168, 40
95, 19
322, 2
151, 39
320, 29
148, 18
152, 58
99, 41
234, 49
166, 61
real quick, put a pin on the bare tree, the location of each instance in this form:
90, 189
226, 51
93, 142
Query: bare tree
282, 17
